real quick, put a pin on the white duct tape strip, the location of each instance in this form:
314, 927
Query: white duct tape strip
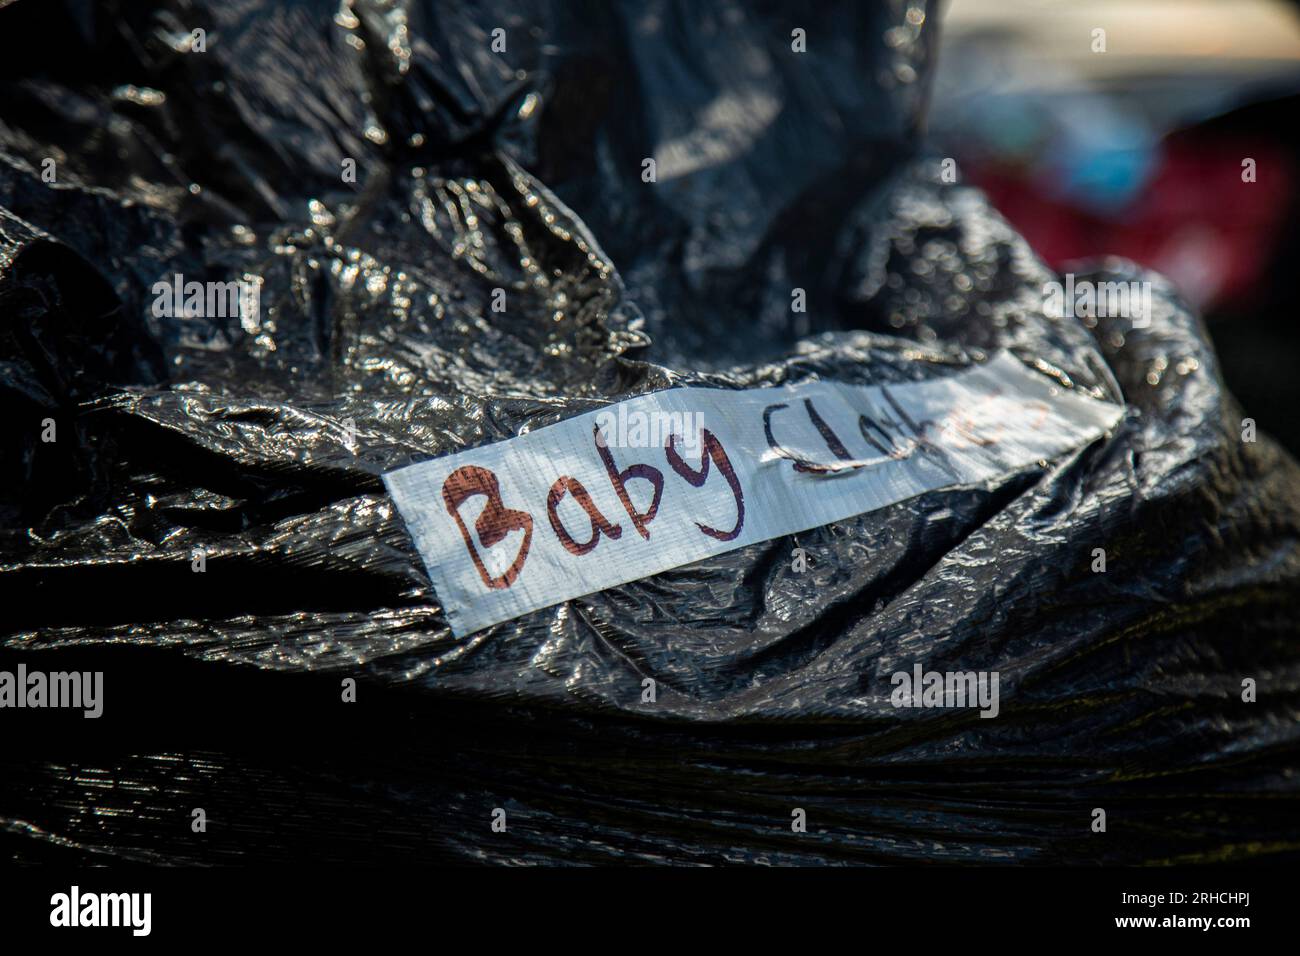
669, 478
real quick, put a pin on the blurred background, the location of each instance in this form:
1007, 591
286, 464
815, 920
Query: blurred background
1131, 144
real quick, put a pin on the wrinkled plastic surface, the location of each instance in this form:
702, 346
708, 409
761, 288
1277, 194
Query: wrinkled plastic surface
522, 170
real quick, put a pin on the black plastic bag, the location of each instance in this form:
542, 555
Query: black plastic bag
262, 444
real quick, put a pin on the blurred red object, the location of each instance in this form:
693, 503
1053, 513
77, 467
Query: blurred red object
1196, 221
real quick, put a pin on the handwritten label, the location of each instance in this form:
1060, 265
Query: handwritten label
670, 478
